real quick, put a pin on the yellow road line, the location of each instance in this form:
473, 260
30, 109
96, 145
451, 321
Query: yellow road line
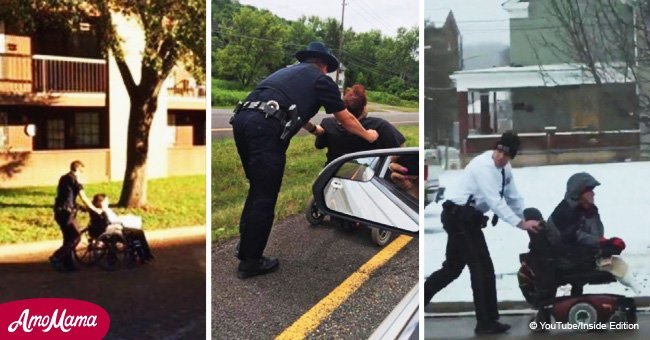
309, 321
221, 129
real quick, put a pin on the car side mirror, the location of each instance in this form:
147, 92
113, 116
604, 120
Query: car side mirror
362, 187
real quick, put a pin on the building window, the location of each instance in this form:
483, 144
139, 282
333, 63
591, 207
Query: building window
86, 129
55, 134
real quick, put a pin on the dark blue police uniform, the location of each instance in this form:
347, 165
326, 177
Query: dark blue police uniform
261, 150
64, 214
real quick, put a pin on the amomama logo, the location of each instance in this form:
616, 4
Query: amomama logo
52, 318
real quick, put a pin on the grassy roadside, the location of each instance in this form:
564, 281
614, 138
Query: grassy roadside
229, 185
26, 213
226, 94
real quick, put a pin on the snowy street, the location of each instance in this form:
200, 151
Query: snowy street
623, 200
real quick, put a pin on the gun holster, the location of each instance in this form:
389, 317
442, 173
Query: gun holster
292, 123
235, 112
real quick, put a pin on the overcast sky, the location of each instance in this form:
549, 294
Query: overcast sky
478, 20
360, 15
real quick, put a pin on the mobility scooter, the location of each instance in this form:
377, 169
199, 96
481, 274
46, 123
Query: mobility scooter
539, 278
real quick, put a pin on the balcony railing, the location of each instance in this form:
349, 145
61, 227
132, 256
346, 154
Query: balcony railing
185, 89
65, 74
51, 74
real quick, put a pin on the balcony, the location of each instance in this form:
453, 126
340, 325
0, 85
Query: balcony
53, 80
185, 95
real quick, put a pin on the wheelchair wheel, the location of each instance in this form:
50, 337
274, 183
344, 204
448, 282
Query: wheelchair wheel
112, 252
84, 250
313, 215
380, 237
582, 313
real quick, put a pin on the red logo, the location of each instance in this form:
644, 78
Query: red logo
53, 318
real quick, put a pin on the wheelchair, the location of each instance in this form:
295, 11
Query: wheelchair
111, 248
539, 278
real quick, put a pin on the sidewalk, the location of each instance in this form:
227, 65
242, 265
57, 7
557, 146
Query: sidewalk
27, 252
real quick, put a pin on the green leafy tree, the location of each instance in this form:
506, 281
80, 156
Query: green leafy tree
399, 55
299, 35
253, 48
172, 35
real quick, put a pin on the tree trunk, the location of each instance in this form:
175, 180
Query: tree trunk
134, 188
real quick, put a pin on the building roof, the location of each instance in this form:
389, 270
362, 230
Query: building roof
509, 77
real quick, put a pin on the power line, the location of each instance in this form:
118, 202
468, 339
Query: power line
373, 13
383, 70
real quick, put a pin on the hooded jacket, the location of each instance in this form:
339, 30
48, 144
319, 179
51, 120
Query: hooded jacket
572, 229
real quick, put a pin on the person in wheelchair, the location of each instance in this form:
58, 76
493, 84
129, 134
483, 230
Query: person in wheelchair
102, 222
340, 142
571, 247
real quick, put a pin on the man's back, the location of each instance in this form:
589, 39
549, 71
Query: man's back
66, 191
339, 142
302, 85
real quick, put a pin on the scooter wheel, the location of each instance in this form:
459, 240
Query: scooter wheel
312, 214
582, 313
380, 237
618, 317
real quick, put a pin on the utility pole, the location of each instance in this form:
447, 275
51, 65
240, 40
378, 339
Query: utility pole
341, 40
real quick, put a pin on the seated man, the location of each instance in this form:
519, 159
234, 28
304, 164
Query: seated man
575, 234
100, 221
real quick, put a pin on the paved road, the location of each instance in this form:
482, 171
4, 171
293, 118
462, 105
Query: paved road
313, 262
221, 128
164, 299
463, 328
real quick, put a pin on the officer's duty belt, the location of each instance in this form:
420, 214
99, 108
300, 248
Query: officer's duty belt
269, 109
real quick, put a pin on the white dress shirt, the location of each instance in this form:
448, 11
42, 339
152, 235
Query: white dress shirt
483, 180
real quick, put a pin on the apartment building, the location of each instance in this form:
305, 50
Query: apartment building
62, 99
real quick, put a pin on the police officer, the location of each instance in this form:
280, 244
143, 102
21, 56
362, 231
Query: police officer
263, 126
487, 184
65, 209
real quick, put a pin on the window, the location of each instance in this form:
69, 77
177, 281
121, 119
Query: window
55, 134
86, 129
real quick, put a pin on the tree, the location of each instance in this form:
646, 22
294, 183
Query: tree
173, 36
600, 35
253, 46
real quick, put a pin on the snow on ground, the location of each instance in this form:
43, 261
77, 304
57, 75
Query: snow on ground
623, 200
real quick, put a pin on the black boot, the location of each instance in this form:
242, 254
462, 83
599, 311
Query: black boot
491, 327
262, 266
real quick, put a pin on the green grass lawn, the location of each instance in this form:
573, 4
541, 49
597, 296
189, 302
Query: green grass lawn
26, 213
229, 185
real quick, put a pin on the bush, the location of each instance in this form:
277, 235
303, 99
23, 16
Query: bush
222, 97
389, 99
228, 85
227, 93
384, 98
410, 94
